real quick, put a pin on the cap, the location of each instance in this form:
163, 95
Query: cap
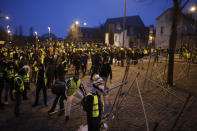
98, 83
96, 77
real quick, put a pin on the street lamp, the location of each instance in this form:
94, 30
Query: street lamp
49, 28
85, 24
77, 22
36, 33
7, 27
9, 32
7, 17
193, 9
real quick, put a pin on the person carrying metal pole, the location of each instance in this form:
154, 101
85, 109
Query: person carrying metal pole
72, 86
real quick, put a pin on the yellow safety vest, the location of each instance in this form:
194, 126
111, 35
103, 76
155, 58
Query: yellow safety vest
45, 78
22, 88
1, 74
188, 55
26, 77
73, 87
10, 73
145, 52
11, 54
42, 59
66, 67
16, 62
36, 69
95, 108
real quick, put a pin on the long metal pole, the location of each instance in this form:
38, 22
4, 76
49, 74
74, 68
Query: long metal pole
124, 22
195, 23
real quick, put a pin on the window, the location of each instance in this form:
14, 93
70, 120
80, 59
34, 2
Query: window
116, 38
162, 28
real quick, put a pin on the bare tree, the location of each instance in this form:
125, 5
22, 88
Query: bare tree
111, 34
177, 10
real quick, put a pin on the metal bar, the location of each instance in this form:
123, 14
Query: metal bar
121, 84
181, 111
147, 125
160, 86
124, 22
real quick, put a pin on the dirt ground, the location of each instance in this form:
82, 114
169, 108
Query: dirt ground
162, 104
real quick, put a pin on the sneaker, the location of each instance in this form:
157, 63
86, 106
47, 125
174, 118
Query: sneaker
50, 112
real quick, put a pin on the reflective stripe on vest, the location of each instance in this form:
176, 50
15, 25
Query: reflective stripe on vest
45, 78
26, 77
95, 109
16, 62
10, 73
22, 88
73, 87
1, 74
36, 69
66, 66
11, 54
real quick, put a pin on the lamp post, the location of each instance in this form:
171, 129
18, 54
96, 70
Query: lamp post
36, 33
4, 17
193, 9
9, 32
124, 23
75, 28
7, 27
49, 28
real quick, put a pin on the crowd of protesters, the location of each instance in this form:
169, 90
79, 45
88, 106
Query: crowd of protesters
45, 64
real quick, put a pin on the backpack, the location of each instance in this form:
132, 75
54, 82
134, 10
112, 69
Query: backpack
86, 103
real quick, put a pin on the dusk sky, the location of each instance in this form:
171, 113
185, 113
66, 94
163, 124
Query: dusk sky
60, 14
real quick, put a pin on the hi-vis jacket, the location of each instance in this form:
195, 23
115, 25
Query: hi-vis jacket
73, 86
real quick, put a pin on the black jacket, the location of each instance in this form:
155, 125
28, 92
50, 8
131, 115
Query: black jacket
106, 71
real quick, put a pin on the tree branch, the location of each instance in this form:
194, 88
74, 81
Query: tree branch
184, 4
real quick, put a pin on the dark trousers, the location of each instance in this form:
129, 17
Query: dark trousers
77, 69
8, 90
61, 101
39, 87
93, 123
83, 68
17, 103
26, 86
95, 71
1, 89
122, 62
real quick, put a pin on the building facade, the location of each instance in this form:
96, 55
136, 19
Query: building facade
136, 34
184, 30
